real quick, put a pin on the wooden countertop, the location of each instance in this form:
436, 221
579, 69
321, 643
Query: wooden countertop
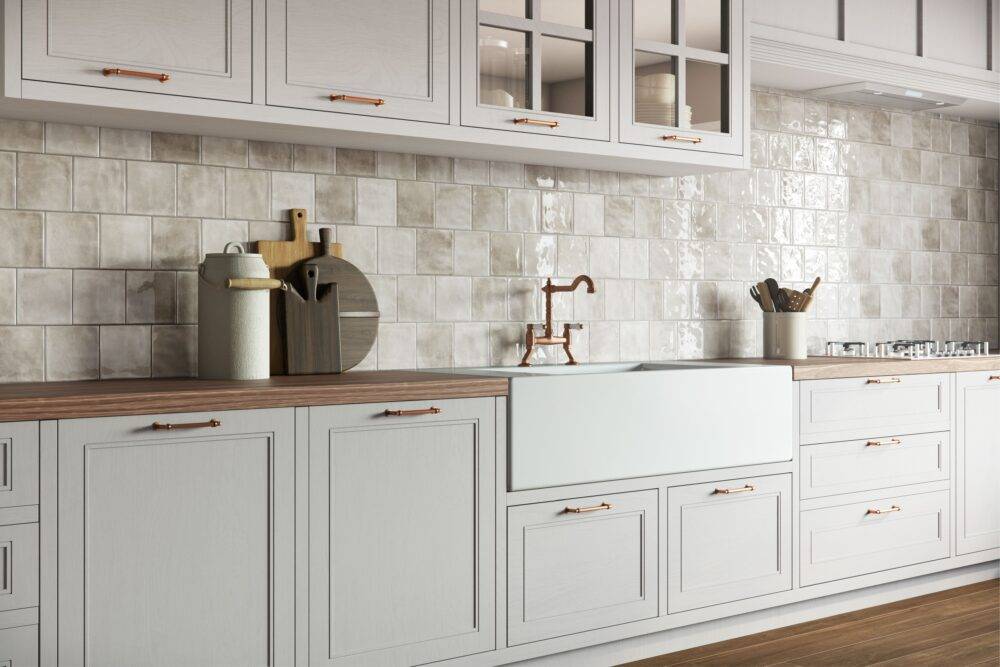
829, 368
100, 398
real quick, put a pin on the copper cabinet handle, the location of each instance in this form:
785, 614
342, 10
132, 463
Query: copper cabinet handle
875, 510
551, 124
993, 378
117, 71
211, 423
357, 99
739, 489
681, 137
581, 510
883, 381
879, 443
413, 413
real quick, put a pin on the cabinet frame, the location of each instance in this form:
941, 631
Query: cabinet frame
966, 543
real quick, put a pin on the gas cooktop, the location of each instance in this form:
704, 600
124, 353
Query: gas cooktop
909, 349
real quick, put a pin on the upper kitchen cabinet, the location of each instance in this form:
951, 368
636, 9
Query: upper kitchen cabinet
376, 58
681, 76
538, 66
194, 48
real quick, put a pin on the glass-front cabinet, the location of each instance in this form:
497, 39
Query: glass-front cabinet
539, 66
681, 82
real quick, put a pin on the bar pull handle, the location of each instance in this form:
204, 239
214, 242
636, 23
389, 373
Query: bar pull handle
879, 443
413, 413
551, 124
117, 71
255, 283
357, 99
883, 381
592, 508
740, 489
681, 137
875, 510
211, 423
993, 378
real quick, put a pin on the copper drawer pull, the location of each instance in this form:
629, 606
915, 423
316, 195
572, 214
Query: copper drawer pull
875, 510
551, 124
357, 99
681, 137
883, 381
993, 378
581, 510
739, 489
117, 71
211, 423
879, 443
412, 413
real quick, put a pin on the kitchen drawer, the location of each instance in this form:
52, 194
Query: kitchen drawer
874, 406
18, 566
19, 646
572, 571
873, 463
728, 540
871, 536
18, 464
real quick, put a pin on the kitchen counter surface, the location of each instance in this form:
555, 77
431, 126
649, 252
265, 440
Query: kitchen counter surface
99, 398
828, 368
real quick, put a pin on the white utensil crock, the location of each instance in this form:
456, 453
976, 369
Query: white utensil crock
233, 325
785, 335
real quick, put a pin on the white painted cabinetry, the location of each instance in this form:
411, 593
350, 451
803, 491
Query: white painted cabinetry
19, 646
18, 464
401, 532
978, 461
194, 48
174, 547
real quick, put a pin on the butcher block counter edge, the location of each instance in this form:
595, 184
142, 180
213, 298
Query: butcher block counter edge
832, 368
103, 398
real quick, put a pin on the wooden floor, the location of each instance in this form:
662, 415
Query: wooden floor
956, 627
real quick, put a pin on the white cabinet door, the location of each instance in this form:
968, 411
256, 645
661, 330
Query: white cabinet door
377, 58
196, 48
401, 532
978, 459
682, 79
19, 646
728, 540
18, 566
539, 67
18, 464
580, 564
175, 547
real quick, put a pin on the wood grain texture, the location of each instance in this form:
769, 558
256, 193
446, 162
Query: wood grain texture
829, 368
102, 398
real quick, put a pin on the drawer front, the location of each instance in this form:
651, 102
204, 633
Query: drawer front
19, 646
18, 566
880, 534
873, 463
572, 571
18, 464
728, 540
874, 406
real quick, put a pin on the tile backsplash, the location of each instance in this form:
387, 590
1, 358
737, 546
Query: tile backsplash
101, 232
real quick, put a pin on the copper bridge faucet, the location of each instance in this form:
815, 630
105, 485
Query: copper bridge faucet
548, 338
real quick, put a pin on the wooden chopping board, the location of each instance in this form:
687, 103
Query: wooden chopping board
313, 339
281, 257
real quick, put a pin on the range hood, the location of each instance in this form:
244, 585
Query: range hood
885, 95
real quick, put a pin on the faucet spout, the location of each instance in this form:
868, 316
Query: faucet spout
583, 279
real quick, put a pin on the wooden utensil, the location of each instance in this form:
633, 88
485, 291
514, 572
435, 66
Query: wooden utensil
312, 328
765, 298
794, 300
775, 293
280, 257
755, 295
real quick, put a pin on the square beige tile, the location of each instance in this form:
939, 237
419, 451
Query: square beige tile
125, 352
71, 240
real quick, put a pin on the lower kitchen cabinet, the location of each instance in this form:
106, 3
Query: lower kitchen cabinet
175, 539
402, 519
18, 464
978, 461
18, 566
580, 564
19, 646
728, 540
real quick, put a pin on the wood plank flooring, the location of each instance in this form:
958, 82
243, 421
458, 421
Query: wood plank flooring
956, 627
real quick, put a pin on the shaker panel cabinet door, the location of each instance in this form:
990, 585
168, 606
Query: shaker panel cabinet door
18, 464
194, 48
175, 545
375, 58
978, 461
401, 532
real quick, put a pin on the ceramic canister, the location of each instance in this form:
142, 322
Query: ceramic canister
233, 325
785, 335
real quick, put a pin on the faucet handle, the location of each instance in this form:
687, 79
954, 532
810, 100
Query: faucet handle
536, 325
575, 325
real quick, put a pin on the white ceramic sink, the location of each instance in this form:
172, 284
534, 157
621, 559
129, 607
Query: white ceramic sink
592, 422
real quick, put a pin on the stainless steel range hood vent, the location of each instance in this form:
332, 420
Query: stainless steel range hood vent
885, 95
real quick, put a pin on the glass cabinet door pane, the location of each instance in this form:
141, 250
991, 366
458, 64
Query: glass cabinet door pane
655, 89
566, 77
567, 12
503, 68
705, 24
654, 20
508, 7
707, 99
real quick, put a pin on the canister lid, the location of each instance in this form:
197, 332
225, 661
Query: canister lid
239, 251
